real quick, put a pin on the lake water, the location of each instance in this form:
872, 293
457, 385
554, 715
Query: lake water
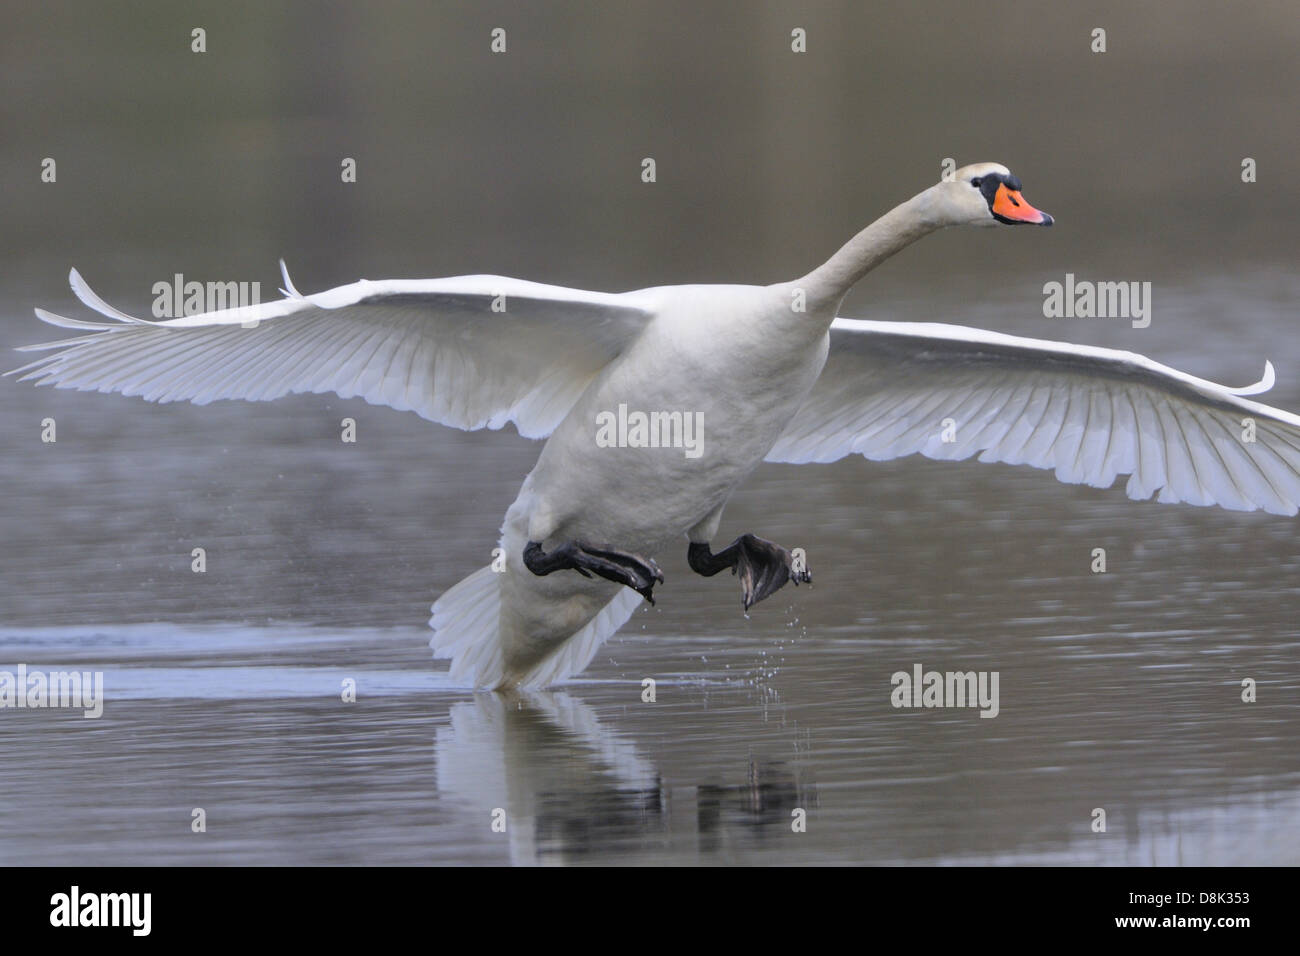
1120, 691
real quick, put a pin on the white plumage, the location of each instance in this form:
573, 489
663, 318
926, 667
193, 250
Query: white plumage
1089, 413
432, 346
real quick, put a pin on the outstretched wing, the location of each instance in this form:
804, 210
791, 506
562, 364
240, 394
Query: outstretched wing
893, 389
470, 352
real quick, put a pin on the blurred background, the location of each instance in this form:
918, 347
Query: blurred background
1118, 691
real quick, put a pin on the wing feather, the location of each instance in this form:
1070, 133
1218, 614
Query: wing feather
1090, 414
470, 351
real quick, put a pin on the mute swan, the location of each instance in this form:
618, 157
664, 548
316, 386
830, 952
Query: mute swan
763, 379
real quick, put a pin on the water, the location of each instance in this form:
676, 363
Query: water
224, 689
1118, 691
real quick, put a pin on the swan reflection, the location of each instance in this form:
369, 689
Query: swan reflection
569, 789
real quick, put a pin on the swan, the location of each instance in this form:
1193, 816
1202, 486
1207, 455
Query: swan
767, 373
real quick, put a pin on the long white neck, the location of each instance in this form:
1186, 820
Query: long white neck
828, 284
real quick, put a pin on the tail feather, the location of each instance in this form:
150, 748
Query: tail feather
576, 653
466, 622
467, 629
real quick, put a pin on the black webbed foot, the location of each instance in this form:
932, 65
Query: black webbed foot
621, 567
763, 567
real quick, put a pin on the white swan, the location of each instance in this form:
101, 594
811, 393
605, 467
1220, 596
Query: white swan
762, 378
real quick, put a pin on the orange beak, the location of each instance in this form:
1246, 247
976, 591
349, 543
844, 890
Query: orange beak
1010, 206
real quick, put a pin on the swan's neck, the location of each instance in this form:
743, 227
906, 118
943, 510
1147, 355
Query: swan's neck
828, 284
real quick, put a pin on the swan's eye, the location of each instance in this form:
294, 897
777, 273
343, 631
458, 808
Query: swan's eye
976, 182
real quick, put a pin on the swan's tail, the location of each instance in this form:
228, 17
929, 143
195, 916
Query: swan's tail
466, 626
467, 629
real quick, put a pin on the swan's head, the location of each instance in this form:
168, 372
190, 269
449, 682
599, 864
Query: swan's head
985, 194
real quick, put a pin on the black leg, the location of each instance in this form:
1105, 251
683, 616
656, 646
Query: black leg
640, 574
763, 567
